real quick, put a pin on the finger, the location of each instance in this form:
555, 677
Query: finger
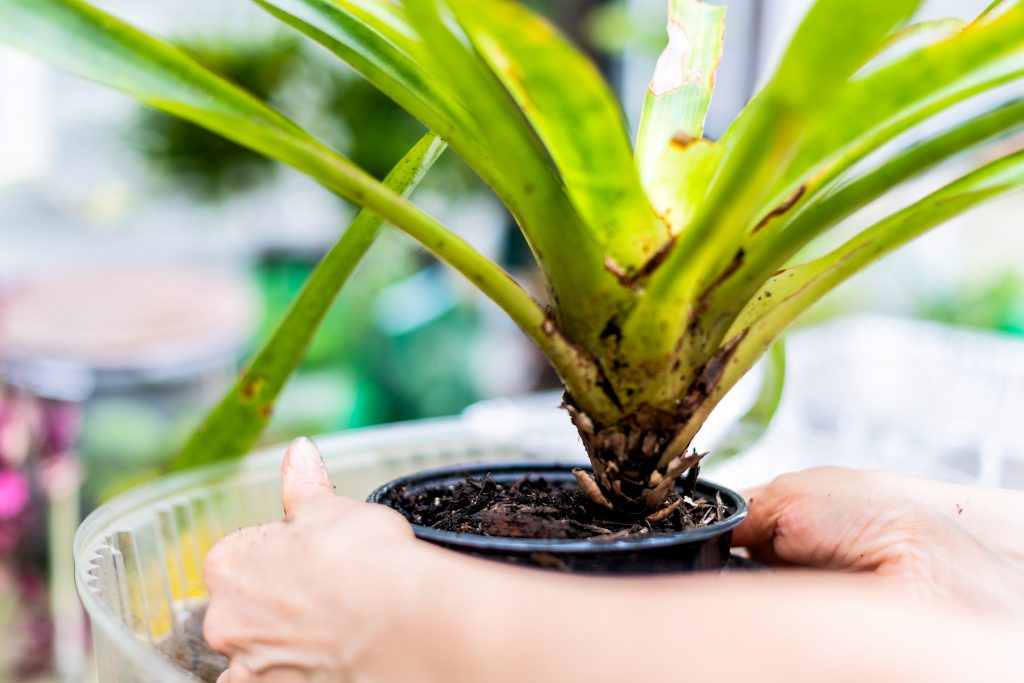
304, 477
759, 531
236, 673
761, 524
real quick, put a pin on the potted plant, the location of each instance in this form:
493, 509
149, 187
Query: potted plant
670, 265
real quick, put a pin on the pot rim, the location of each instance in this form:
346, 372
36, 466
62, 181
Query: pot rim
576, 546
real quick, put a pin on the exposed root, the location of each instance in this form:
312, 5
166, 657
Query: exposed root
690, 480
664, 512
580, 419
655, 496
590, 488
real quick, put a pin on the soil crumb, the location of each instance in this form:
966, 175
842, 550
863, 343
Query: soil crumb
534, 507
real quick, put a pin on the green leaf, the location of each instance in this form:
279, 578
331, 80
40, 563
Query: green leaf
454, 94
994, 7
679, 93
233, 426
888, 102
793, 290
680, 180
576, 117
376, 39
895, 98
769, 248
937, 28
830, 140
835, 39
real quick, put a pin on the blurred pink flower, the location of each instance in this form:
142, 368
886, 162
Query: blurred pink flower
20, 424
14, 494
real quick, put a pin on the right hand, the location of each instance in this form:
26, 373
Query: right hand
929, 535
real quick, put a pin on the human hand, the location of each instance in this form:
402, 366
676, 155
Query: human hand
890, 525
310, 597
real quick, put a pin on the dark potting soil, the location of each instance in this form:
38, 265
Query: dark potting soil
188, 649
534, 507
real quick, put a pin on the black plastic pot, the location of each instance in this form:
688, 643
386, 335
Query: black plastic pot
703, 549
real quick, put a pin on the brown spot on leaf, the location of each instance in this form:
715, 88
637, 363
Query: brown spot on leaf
702, 302
681, 140
611, 331
782, 208
655, 261
252, 388
613, 267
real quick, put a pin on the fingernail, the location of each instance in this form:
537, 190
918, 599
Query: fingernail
304, 455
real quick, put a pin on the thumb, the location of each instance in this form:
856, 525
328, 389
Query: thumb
304, 477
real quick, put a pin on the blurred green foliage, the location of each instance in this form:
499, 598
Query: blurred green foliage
207, 165
995, 302
324, 95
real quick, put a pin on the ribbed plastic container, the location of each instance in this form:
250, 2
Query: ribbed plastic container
139, 558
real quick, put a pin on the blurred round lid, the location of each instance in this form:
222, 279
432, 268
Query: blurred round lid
121, 324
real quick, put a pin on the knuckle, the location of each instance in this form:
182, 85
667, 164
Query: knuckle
786, 485
214, 631
221, 558
387, 520
215, 566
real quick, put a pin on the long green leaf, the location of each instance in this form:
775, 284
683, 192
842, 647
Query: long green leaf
906, 92
935, 28
568, 253
835, 39
679, 94
795, 289
233, 426
887, 102
375, 38
575, 115
792, 291
771, 247
680, 181
381, 40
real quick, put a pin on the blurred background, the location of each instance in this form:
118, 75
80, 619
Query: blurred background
142, 259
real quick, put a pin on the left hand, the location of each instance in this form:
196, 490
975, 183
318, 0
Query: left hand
310, 597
